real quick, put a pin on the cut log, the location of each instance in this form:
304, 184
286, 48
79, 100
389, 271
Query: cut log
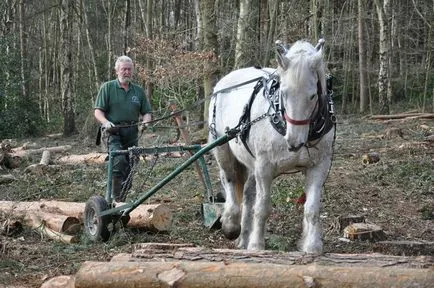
57, 222
405, 248
7, 178
45, 159
91, 158
157, 217
60, 282
153, 217
404, 115
159, 252
221, 274
33, 220
55, 149
100, 158
364, 231
11, 227
344, 221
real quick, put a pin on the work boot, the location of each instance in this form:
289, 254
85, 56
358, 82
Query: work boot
117, 188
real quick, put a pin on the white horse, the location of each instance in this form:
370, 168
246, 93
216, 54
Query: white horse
248, 164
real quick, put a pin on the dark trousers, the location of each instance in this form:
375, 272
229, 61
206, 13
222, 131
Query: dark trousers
126, 137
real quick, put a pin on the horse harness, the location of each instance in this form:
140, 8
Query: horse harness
320, 122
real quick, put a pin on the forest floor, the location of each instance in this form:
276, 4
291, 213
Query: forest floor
395, 193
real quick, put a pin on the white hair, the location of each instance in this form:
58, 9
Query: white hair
122, 59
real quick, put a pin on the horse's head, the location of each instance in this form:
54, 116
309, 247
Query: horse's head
302, 80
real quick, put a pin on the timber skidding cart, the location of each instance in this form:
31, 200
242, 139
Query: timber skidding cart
101, 215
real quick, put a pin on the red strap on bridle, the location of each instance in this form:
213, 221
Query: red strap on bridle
296, 122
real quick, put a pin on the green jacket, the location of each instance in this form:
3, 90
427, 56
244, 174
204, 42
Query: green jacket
120, 105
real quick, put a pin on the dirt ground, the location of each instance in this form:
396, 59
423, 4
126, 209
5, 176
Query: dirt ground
395, 193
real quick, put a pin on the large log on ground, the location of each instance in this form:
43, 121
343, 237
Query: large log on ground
91, 158
154, 217
404, 115
187, 252
35, 222
55, 149
237, 274
57, 222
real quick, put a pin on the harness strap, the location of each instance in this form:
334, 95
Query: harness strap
245, 122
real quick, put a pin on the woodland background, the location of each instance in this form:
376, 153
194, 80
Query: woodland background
54, 54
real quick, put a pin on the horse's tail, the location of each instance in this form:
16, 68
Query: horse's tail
240, 179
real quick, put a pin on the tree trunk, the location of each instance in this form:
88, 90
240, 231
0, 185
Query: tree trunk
273, 8
313, 20
127, 22
247, 34
96, 81
428, 56
362, 58
23, 49
383, 74
66, 68
210, 45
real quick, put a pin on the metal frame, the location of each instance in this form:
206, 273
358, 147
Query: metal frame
199, 152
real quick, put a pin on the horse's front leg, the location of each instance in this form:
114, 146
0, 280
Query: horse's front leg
246, 214
261, 209
311, 241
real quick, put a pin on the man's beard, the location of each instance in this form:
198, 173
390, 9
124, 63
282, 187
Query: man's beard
126, 80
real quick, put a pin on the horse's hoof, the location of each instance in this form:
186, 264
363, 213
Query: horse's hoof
231, 232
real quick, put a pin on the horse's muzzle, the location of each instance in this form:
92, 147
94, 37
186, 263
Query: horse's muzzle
295, 148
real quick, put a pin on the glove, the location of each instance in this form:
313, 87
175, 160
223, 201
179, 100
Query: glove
143, 127
107, 125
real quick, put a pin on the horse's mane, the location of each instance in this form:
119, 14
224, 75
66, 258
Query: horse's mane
299, 56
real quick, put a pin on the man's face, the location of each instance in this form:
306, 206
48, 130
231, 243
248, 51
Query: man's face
125, 72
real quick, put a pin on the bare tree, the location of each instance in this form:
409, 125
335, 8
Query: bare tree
362, 58
273, 5
66, 22
428, 58
23, 48
210, 45
384, 91
247, 35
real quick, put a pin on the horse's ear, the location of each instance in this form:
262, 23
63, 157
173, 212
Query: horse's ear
318, 56
281, 52
320, 44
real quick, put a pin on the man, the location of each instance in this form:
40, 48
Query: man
119, 106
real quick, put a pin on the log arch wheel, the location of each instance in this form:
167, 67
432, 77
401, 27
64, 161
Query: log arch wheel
96, 227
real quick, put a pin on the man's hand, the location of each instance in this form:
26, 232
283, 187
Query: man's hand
143, 126
107, 125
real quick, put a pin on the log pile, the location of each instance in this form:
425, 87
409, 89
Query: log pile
12, 158
171, 265
63, 221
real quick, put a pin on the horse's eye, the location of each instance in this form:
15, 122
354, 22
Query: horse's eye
312, 96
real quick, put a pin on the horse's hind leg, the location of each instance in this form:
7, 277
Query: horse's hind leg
261, 209
231, 174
